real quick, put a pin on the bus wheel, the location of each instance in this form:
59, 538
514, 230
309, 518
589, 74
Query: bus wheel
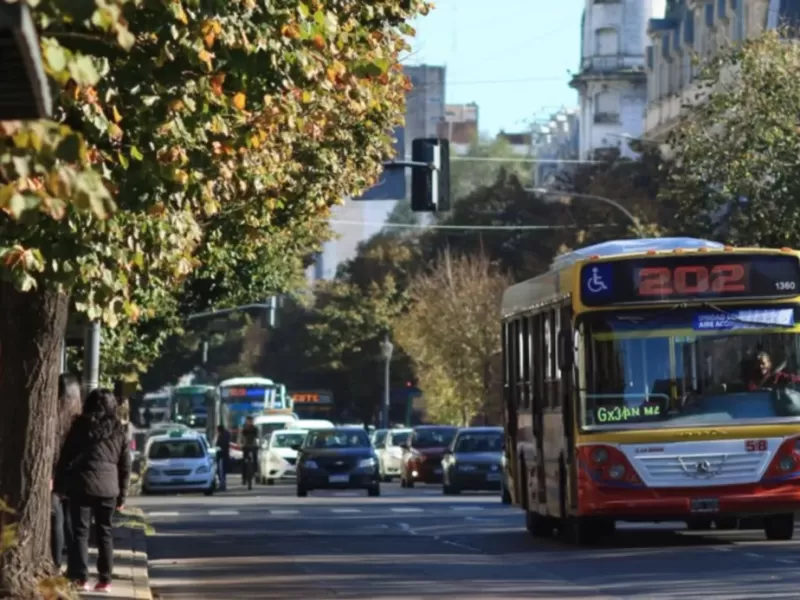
582, 531
538, 525
779, 527
699, 524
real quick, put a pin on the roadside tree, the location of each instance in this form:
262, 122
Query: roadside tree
197, 134
450, 332
735, 174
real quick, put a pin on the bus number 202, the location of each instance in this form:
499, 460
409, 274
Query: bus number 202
755, 445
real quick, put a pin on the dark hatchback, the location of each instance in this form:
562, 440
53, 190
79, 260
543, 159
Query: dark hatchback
340, 458
474, 461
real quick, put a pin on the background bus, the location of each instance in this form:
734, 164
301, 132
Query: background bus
198, 407
252, 396
159, 405
313, 404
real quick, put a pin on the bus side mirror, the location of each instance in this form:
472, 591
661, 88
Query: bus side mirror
565, 349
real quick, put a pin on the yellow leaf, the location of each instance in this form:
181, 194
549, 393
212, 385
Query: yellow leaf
114, 131
175, 105
181, 176
205, 56
239, 101
115, 114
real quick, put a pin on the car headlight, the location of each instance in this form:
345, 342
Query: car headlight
201, 470
310, 464
466, 467
366, 463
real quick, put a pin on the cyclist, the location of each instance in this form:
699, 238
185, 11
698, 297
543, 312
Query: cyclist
248, 440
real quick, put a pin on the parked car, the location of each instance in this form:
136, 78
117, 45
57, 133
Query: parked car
337, 458
423, 453
474, 461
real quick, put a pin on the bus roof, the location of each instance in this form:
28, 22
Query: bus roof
262, 419
246, 381
549, 286
617, 247
192, 388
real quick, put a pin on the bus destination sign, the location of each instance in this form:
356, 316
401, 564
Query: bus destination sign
674, 278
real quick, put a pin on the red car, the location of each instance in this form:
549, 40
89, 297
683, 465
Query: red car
423, 452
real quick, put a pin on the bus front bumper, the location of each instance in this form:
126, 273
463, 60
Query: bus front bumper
675, 504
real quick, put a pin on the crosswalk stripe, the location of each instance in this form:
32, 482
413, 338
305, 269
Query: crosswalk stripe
466, 507
162, 514
223, 513
406, 510
346, 510
281, 511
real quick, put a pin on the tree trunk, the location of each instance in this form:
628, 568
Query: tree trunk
32, 326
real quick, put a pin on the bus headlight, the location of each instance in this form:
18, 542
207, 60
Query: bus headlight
786, 463
600, 455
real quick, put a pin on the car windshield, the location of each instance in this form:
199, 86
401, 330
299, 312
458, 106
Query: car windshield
690, 367
265, 429
380, 438
288, 439
338, 438
399, 438
167, 449
483, 441
429, 438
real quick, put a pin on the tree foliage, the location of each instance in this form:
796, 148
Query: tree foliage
737, 150
466, 175
451, 333
192, 138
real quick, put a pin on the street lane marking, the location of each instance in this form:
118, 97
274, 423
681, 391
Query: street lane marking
406, 510
346, 510
162, 514
753, 555
282, 511
785, 562
466, 507
223, 513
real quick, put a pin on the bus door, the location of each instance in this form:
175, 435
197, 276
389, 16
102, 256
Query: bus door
510, 410
532, 351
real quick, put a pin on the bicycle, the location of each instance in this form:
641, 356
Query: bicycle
249, 468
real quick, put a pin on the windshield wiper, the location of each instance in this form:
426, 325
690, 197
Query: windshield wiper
738, 319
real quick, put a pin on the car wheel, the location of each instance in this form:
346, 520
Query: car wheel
506, 497
374, 491
302, 492
270, 482
449, 490
210, 491
403, 483
410, 483
779, 527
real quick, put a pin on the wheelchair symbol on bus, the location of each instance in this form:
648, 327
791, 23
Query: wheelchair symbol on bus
595, 284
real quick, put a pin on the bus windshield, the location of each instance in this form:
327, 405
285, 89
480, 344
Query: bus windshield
690, 367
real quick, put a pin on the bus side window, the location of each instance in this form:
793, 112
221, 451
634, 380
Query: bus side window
515, 352
555, 394
538, 362
525, 356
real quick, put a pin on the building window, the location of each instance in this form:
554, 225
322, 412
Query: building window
663, 77
606, 41
606, 107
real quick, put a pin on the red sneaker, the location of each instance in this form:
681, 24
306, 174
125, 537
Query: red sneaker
102, 587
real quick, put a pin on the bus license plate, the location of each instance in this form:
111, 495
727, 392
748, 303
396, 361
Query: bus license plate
704, 505
339, 479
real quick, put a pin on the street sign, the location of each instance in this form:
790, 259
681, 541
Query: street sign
392, 184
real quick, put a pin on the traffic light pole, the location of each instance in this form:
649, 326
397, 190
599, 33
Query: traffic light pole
430, 174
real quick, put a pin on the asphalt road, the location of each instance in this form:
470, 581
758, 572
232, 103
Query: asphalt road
268, 544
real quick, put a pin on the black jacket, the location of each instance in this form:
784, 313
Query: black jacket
94, 462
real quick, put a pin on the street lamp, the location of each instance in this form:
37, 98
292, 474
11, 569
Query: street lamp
386, 353
546, 192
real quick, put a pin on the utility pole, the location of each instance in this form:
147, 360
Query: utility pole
91, 357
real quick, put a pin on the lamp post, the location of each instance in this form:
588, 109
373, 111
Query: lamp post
386, 352
613, 203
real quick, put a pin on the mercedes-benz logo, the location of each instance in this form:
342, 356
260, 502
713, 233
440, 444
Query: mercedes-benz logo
339, 462
703, 467
494, 467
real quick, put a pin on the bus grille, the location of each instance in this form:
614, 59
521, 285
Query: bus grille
714, 469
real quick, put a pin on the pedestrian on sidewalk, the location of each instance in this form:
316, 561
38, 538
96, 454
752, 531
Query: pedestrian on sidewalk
223, 446
93, 472
69, 409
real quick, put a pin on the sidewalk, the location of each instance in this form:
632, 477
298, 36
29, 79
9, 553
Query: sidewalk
131, 580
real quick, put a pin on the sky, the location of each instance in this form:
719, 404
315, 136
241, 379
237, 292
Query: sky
511, 57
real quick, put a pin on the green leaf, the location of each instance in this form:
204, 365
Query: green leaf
55, 56
83, 71
136, 154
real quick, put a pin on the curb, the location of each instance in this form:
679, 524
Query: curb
140, 575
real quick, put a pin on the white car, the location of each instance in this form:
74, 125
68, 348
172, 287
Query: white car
278, 458
179, 461
390, 453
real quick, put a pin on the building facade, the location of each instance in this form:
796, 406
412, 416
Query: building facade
460, 126
611, 81
698, 27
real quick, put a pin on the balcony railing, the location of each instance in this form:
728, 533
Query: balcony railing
612, 62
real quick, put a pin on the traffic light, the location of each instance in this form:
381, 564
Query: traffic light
430, 187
